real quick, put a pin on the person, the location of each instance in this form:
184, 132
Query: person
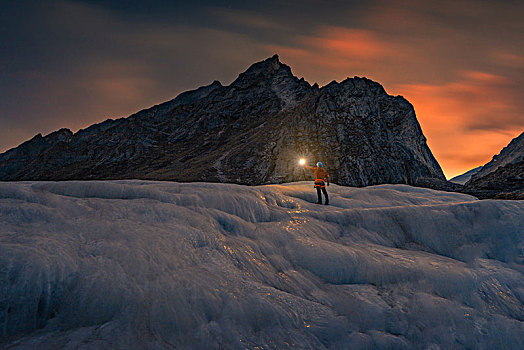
320, 174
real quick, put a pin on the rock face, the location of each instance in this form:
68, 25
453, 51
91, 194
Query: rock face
503, 176
250, 132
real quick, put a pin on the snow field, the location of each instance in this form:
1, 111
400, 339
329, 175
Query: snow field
153, 265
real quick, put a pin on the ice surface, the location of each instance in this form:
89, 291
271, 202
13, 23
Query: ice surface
154, 265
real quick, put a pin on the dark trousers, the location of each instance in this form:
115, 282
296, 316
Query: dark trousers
320, 195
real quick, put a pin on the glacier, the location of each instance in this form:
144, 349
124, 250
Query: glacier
162, 265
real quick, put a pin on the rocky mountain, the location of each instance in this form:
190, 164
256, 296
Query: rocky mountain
503, 176
250, 132
463, 178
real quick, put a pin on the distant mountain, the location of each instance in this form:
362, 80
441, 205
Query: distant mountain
250, 132
503, 176
512, 153
463, 178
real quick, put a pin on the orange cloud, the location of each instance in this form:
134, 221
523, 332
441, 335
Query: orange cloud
333, 52
466, 121
509, 59
348, 42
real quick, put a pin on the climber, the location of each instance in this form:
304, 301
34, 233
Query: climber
320, 173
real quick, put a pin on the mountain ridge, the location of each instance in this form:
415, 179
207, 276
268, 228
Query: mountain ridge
512, 153
503, 176
250, 132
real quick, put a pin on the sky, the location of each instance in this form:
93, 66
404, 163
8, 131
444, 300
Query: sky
74, 63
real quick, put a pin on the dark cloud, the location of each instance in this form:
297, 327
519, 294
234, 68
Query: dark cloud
73, 63
87, 63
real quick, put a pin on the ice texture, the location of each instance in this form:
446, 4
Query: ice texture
163, 265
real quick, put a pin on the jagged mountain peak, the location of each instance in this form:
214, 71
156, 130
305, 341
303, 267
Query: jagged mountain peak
263, 71
357, 85
250, 132
268, 66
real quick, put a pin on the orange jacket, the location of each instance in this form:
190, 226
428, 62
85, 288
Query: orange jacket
320, 173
